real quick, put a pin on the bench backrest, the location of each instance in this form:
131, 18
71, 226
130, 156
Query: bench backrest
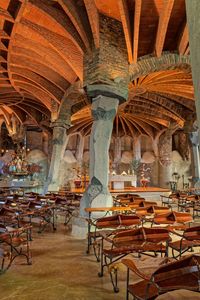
184, 273
143, 235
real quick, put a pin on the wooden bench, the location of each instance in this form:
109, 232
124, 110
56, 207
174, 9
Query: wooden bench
143, 240
105, 210
15, 242
181, 274
188, 240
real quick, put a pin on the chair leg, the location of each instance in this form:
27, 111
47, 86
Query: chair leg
127, 283
114, 279
100, 274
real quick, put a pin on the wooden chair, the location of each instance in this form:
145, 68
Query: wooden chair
173, 218
16, 243
4, 255
109, 224
7, 216
143, 240
188, 240
181, 274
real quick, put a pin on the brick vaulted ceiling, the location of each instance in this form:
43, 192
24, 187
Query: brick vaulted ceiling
43, 42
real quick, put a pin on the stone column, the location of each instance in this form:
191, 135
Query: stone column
165, 159
59, 136
137, 149
97, 194
45, 142
80, 148
194, 138
193, 20
117, 151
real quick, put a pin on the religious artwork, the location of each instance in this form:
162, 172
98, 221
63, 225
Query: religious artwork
19, 166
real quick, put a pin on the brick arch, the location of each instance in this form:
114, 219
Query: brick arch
150, 64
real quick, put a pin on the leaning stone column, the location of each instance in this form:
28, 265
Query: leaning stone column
165, 159
103, 111
59, 136
194, 138
193, 20
117, 153
137, 149
80, 149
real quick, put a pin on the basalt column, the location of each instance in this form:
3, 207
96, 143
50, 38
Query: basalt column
106, 83
194, 138
59, 136
103, 111
193, 20
165, 159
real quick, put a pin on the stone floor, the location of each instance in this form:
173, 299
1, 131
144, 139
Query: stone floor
61, 270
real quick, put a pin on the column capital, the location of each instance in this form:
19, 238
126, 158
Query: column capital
110, 91
104, 108
61, 124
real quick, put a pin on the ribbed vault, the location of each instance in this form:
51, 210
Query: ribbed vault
42, 46
155, 101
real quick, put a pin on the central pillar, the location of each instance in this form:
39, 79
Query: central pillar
106, 79
103, 111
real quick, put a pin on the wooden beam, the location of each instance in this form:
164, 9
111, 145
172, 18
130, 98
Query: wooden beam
184, 41
4, 35
162, 25
6, 15
187, 51
2, 59
138, 6
3, 47
123, 8
93, 16
2, 69
70, 9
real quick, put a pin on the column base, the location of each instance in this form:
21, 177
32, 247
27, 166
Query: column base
79, 228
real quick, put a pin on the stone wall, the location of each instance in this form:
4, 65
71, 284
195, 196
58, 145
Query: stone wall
34, 140
148, 159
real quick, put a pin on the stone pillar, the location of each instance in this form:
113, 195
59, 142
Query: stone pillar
194, 138
193, 20
165, 159
45, 142
137, 149
117, 150
59, 136
80, 148
97, 194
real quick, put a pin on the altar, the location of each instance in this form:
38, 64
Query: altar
25, 185
118, 181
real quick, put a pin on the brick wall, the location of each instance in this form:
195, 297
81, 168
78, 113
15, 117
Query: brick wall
109, 62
